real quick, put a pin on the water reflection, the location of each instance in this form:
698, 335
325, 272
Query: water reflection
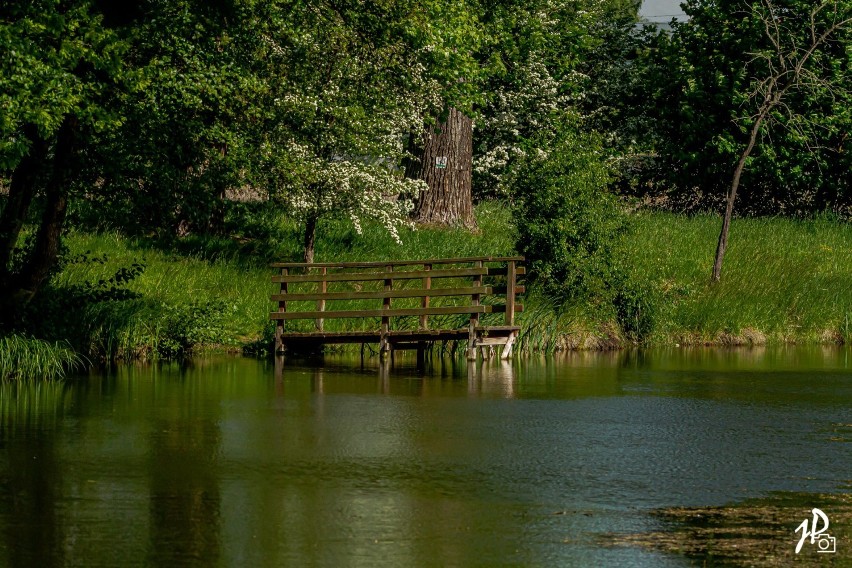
492, 377
237, 462
182, 454
31, 473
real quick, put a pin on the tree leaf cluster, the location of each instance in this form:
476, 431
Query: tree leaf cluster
706, 81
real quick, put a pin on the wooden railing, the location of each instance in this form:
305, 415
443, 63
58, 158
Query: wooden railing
395, 292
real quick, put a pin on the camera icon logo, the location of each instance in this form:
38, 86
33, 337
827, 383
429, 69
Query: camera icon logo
826, 543
818, 535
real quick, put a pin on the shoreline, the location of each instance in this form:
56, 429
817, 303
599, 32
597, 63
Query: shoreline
786, 282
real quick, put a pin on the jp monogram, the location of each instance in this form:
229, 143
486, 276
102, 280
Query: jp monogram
818, 534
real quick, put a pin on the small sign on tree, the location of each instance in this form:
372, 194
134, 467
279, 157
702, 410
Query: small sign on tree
441, 162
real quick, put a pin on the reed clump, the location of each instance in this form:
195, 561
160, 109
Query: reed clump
24, 358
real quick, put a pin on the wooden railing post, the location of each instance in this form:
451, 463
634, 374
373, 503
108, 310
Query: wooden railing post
474, 318
323, 288
282, 307
384, 346
427, 284
457, 278
511, 278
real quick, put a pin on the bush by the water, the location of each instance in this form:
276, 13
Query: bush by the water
570, 229
568, 224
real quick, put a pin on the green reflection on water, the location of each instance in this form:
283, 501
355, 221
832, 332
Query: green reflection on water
223, 461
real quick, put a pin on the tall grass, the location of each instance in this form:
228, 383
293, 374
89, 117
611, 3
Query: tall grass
24, 358
494, 236
783, 280
176, 303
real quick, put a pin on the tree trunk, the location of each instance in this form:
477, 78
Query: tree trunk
48, 238
732, 194
22, 189
445, 160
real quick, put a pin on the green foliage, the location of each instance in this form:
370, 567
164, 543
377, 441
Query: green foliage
346, 84
58, 61
189, 325
711, 76
547, 63
111, 288
568, 224
189, 120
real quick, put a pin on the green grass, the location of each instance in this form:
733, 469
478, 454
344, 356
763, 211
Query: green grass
25, 359
178, 301
783, 281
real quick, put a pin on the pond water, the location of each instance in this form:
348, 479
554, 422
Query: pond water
224, 462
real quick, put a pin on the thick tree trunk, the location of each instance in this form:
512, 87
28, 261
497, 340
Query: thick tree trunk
445, 164
22, 189
45, 253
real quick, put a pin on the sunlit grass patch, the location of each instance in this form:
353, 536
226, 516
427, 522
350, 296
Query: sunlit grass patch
783, 280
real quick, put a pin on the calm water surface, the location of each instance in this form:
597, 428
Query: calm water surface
221, 463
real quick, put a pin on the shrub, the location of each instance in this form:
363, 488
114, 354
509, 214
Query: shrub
567, 222
188, 325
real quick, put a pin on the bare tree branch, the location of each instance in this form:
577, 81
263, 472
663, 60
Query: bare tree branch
770, 91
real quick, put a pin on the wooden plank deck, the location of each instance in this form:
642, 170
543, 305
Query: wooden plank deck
470, 287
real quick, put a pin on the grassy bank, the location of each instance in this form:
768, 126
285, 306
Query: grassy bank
784, 281
125, 298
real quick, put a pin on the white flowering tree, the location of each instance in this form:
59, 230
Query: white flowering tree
347, 83
525, 80
531, 101
537, 82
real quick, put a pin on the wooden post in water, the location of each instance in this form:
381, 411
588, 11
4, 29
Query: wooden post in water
474, 318
384, 345
323, 288
421, 355
511, 278
278, 370
279, 325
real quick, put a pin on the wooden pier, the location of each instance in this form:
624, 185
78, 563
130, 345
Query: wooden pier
399, 304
